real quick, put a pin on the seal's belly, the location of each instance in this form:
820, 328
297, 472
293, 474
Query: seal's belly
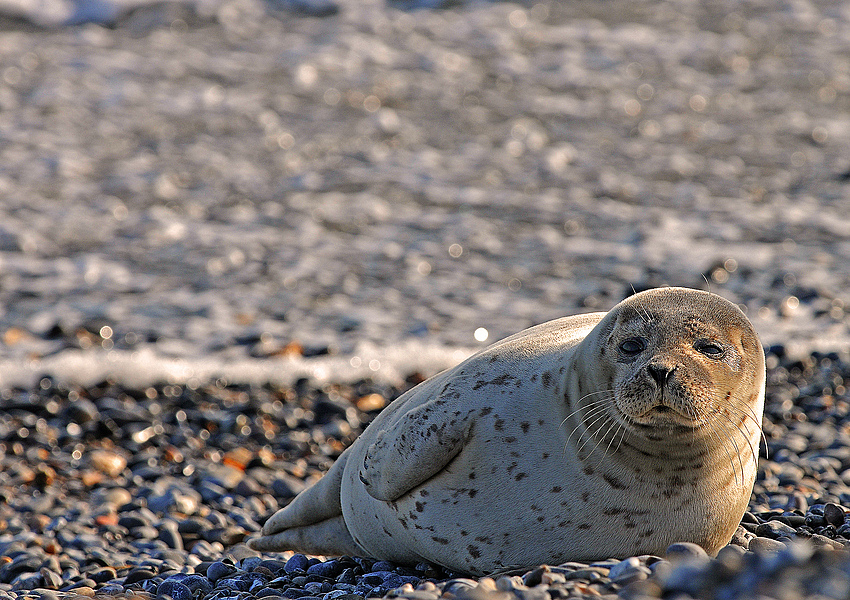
481, 515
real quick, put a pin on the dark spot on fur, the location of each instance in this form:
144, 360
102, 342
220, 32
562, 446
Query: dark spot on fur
420, 507
564, 523
540, 421
556, 489
499, 424
472, 475
545, 455
520, 476
472, 493
474, 552
485, 411
440, 540
647, 533
511, 467
614, 482
404, 523
612, 511
534, 377
502, 379
510, 439
630, 525
525, 425
423, 492
584, 526
547, 379
484, 539
464, 533
585, 497
541, 518
588, 470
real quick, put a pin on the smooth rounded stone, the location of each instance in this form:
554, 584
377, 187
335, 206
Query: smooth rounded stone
341, 595
51, 579
174, 590
219, 570
27, 581
206, 550
774, 529
138, 574
275, 566
295, 592
173, 500
192, 525
382, 565
23, 563
169, 534
284, 486
272, 593
586, 574
103, 575
329, 569
623, 566
834, 514
763, 544
457, 585
686, 551
297, 562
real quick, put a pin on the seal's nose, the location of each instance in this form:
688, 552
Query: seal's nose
660, 372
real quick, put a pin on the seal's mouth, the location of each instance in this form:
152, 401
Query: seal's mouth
662, 416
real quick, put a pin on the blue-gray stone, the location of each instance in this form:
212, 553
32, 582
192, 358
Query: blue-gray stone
275, 566
685, 551
382, 565
298, 562
198, 583
219, 569
250, 563
174, 590
331, 568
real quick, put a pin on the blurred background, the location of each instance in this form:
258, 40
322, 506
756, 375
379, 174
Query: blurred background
259, 190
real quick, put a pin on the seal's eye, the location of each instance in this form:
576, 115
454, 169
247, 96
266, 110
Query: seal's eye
632, 346
710, 349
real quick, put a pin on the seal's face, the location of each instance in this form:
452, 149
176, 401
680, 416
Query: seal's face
680, 366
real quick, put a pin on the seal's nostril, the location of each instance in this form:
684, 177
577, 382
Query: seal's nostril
659, 373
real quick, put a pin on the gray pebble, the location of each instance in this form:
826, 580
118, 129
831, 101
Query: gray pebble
834, 514
774, 530
763, 544
686, 551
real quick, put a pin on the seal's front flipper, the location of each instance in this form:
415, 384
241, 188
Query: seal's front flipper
327, 538
415, 445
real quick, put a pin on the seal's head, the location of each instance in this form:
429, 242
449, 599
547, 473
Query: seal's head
677, 365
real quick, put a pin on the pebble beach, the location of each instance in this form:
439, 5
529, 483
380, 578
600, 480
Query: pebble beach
231, 232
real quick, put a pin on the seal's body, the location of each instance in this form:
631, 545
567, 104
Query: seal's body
588, 437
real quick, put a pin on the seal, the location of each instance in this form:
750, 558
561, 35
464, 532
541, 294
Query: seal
588, 437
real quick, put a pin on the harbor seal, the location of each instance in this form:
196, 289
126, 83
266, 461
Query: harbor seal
588, 437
